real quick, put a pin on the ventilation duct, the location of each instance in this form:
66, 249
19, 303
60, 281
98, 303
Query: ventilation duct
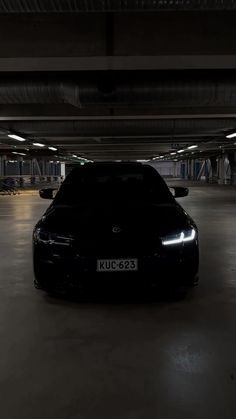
38, 92
76, 6
162, 93
122, 128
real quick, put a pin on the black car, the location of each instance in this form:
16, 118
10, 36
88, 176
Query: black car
114, 223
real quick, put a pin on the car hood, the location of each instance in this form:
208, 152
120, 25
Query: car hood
101, 218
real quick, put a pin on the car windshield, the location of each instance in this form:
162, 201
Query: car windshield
96, 185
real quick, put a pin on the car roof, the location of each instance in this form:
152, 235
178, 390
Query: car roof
112, 166
109, 164
98, 168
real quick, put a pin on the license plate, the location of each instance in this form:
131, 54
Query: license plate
114, 265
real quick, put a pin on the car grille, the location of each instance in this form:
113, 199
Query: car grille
117, 245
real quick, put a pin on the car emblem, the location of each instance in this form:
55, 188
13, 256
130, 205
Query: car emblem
116, 229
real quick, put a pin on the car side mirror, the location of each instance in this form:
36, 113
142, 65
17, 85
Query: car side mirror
179, 191
47, 193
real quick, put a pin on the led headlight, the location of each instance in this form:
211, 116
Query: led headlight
46, 237
179, 238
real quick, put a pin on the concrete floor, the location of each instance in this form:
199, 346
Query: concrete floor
165, 359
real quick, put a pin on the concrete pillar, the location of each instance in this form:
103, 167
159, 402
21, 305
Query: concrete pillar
32, 172
47, 166
189, 172
192, 169
63, 171
208, 170
201, 170
3, 165
20, 166
224, 170
57, 169
188, 169
20, 170
196, 168
50, 168
220, 170
214, 173
43, 167
183, 170
175, 169
232, 161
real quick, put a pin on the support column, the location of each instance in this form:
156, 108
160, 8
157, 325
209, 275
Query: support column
51, 169
232, 161
54, 169
43, 167
208, 170
202, 170
214, 173
224, 170
184, 170
3, 165
32, 172
196, 168
20, 166
188, 170
20, 170
48, 171
63, 171
37, 168
175, 169
192, 169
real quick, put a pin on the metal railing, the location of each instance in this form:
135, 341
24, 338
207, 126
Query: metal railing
15, 184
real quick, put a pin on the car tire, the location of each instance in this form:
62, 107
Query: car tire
42, 278
39, 275
194, 281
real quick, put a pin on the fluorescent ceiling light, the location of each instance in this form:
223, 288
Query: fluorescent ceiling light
52, 148
172, 154
81, 158
16, 137
39, 144
192, 146
180, 151
20, 154
231, 135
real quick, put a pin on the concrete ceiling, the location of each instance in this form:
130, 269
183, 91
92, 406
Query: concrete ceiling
76, 6
114, 80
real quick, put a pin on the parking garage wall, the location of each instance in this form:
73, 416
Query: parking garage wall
167, 168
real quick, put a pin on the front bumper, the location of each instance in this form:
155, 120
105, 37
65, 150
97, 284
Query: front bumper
175, 266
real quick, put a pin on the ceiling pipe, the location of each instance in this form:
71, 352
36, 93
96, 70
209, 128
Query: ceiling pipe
38, 92
161, 93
